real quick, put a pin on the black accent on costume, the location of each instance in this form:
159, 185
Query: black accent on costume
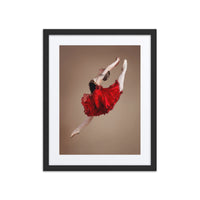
92, 86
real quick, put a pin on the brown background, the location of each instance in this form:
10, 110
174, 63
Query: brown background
117, 132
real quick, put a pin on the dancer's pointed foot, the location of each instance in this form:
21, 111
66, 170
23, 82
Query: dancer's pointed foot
75, 132
125, 65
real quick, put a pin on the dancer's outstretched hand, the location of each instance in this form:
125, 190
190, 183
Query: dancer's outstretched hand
75, 132
118, 59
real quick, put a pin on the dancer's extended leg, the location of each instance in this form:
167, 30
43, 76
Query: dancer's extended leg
81, 126
122, 75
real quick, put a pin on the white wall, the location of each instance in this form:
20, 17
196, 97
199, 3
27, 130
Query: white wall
21, 175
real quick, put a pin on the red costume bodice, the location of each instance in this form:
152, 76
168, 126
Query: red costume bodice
102, 100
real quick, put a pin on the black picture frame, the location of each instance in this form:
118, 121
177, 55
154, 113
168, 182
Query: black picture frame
48, 32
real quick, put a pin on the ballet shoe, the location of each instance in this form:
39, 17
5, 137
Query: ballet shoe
124, 68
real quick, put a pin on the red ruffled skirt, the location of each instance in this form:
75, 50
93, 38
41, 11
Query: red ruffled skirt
102, 100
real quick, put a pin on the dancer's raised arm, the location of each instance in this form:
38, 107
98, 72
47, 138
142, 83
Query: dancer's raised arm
108, 68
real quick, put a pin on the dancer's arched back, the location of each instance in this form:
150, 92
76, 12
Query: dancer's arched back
101, 100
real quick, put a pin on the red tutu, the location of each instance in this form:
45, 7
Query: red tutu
102, 100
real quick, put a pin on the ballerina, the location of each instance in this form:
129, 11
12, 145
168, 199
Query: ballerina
101, 100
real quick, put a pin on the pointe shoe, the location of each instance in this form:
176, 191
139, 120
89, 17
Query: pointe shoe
75, 132
124, 68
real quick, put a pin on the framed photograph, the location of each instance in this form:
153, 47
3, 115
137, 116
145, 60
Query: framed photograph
99, 100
